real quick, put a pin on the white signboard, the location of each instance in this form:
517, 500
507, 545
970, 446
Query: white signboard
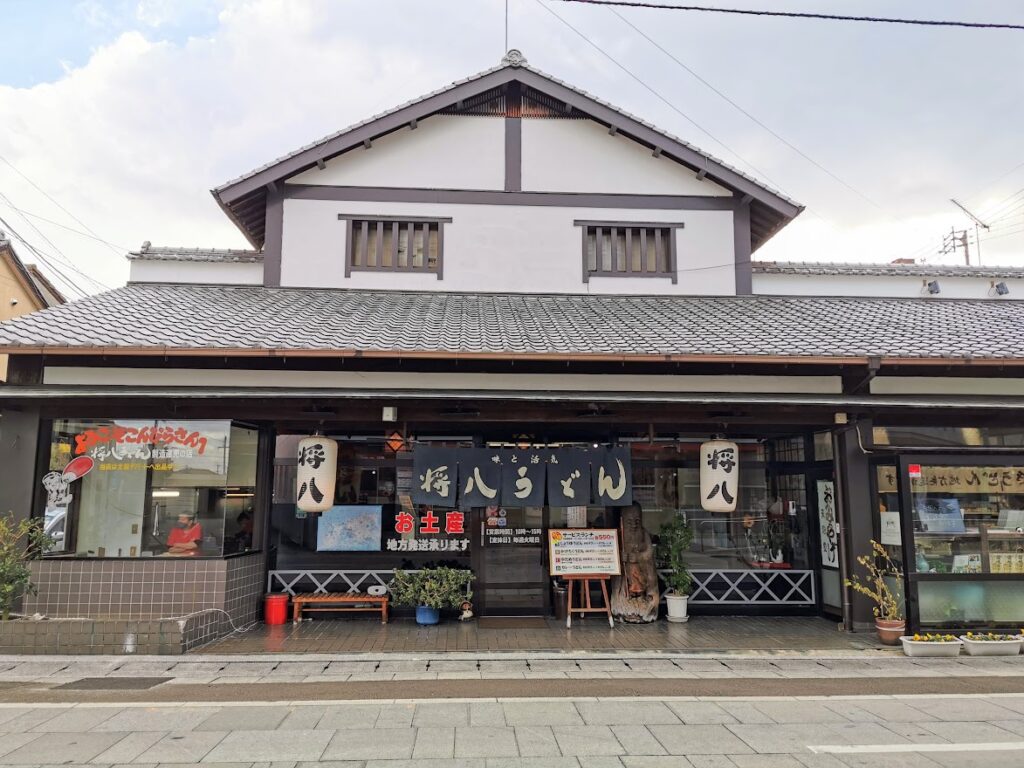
828, 523
719, 475
584, 551
576, 517
891, 535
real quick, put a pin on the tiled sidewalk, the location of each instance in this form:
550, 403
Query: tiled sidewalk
677, 732
276, 668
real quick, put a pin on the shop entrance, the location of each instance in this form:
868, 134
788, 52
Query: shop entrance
510, 562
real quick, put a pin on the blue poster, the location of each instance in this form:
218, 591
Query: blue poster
349, 529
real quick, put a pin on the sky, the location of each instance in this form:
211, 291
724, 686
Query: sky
117, 117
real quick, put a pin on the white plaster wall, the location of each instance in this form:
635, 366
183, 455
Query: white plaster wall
160, 377
581, 156
883, 286
443, 152
208, 273
504, 248
935, 385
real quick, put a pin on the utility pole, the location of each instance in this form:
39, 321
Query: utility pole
977, 223
957, 238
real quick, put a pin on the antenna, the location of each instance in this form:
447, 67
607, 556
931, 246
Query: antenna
977, 223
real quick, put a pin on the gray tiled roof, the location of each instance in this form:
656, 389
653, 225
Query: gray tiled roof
883, 270
159, 253
156, 317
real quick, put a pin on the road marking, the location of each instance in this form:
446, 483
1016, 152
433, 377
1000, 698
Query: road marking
855, 749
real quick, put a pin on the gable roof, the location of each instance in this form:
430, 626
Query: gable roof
164, 319
244, 199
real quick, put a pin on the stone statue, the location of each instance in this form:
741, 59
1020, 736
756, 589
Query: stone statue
635, 595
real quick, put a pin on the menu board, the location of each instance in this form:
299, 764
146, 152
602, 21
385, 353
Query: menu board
584, 551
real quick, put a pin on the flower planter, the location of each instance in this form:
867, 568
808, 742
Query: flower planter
676, 605
890, 630
947, 648
427, 615
992, 647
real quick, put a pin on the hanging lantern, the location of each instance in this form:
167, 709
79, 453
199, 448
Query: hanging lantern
317, 474
719, 475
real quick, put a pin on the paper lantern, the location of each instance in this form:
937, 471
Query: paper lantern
719, 475
317, 474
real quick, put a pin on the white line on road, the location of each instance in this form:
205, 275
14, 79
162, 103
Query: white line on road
855, 749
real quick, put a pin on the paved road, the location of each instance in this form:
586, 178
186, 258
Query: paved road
666, 732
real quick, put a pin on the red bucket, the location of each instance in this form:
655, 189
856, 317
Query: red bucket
275, 609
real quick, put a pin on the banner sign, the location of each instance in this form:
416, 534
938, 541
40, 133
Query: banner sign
517, 537
926, 479
569, 477
481, 477
611, 471
827, 524
579, 552
522, 478
435, 476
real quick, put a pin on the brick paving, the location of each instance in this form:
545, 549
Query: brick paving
641, 732
703, 633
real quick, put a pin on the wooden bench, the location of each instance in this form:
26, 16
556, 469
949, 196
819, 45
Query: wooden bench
339, 602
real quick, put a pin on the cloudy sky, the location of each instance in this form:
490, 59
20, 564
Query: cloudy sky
118, 116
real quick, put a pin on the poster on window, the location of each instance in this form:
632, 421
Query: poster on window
890, 534
828, 524
349, 529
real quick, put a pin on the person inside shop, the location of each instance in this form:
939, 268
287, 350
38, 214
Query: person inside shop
185, 538
242, 540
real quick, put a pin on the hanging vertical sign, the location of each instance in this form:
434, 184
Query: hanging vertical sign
719, 475
479, 477
522, 478
435, 476
568, 478
316, 474
828, 524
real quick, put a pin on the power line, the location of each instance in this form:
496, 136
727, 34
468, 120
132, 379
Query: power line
799, 15
62, 257
46, 259
789, 144
53, 200
657, 94
23, 212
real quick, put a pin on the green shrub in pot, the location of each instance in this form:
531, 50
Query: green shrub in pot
674, 542
435, 588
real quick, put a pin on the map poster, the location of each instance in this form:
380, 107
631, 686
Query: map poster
584, 551
349, 529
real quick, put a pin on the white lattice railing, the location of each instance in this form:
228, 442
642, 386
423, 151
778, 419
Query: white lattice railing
327, 581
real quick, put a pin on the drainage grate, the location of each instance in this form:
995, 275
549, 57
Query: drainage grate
113, 684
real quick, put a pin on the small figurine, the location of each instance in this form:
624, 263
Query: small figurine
467, 611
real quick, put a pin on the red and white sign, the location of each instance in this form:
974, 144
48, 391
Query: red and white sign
914, 470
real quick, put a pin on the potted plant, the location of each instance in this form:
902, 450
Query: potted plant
992, 644
19, 543
673, 545
928, 644
428, 590
889, 621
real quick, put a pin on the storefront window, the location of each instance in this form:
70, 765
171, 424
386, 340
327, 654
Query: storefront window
970, 603
967, 519
948, 437
150, 488
768, 528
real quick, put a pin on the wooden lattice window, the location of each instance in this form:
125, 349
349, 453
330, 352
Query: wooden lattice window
388, 244
628, 249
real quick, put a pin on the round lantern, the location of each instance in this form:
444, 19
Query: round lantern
317, 474
719, 475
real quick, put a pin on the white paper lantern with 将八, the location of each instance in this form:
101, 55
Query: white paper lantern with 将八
317, 474
719, 475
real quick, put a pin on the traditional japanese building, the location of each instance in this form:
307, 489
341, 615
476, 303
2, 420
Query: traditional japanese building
510, 268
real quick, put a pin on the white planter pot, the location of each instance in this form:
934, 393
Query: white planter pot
912, 647
676, 605
991, 647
